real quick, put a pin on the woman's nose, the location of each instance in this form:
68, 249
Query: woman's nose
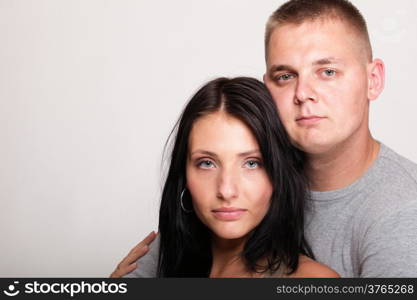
228, 186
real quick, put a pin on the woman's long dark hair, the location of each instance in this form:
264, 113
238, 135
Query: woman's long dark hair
185, 242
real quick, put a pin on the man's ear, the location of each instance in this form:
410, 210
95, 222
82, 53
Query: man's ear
376, 78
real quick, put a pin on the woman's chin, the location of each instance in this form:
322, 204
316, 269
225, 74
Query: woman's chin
230, 235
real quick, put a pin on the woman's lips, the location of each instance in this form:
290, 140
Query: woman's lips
228, 213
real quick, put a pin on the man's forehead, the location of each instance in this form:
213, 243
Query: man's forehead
314, 42
326, 35
322, 25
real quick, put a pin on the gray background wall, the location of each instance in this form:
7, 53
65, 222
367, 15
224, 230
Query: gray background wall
89, 91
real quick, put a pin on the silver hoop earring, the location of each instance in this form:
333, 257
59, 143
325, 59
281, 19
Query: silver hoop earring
182, 205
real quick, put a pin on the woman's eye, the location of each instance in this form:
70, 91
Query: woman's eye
252, 164
206, 164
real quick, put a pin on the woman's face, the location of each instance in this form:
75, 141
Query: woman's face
229, 186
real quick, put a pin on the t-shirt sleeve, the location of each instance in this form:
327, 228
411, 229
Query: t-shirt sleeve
389, 247
147, 265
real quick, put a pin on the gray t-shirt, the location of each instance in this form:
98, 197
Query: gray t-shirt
367, 229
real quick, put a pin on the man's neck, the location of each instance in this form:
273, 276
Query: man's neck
342, 165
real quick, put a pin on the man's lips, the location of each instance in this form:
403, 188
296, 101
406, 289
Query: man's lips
228, 213
308, 120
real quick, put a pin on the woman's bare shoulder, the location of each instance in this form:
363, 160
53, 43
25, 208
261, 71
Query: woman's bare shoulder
308, 268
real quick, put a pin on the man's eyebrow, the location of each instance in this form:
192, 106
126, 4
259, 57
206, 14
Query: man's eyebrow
323, 61
327, 61
277, 68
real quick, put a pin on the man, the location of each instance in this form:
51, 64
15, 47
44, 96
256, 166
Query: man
363, 211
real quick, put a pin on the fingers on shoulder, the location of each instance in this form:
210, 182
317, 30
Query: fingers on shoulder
145, 242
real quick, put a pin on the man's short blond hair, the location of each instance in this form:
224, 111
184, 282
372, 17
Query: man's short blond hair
297, 12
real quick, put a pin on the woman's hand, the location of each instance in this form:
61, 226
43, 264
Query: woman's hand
128, 264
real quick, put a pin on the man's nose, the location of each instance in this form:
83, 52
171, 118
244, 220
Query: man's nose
304, 91
228, 185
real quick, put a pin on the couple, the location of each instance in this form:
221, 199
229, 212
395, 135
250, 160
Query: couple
236, 202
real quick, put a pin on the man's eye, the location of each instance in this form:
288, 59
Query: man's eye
329, 72
284, 77
206, 164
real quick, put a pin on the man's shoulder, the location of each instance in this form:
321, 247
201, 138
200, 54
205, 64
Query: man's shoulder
394, 165
394, 175
392, 187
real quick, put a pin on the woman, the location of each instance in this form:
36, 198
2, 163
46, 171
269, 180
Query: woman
233, 200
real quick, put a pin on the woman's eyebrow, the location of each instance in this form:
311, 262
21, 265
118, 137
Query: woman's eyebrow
205, 152
250, 152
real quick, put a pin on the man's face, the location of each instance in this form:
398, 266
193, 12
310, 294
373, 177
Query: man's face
317, 73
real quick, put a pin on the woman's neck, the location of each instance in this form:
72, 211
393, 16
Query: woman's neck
227, 259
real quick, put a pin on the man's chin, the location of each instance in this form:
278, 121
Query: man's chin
313, 148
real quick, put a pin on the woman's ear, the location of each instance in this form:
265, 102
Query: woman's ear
376, 78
